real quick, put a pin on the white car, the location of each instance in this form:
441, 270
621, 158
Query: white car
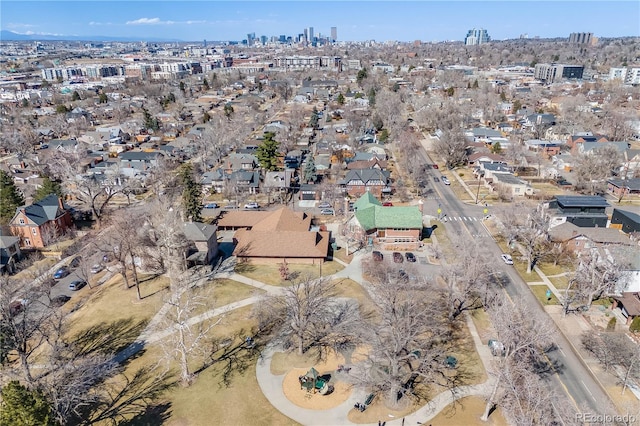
324, 205
252, 205
445, 181
507, 259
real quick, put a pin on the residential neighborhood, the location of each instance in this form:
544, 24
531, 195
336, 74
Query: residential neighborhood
312, 231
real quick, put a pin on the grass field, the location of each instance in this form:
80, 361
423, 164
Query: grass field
270, 273
540, 291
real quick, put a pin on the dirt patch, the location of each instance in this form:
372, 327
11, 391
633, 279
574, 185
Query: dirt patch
315, 401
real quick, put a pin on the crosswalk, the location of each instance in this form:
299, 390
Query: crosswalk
460, 219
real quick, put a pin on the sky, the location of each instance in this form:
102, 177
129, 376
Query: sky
356, 20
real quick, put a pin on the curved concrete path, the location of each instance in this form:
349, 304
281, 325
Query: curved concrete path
271, 385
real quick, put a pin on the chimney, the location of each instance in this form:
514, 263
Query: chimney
60, 203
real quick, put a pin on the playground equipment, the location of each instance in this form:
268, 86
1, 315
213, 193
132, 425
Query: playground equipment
312, 382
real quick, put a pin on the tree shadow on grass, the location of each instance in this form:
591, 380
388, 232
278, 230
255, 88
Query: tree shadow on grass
153, 415
131, 400
107, 338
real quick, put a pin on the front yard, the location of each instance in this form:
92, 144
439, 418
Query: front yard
270, 273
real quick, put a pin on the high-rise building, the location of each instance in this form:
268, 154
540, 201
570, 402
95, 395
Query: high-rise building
334, 33
581, 38
310, 39
476, 36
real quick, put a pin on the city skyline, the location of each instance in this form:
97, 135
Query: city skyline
354, 20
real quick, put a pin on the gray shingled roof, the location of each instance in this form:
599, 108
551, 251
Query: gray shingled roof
198, 231
43, 211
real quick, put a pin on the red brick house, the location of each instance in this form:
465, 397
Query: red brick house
577, 139
38, 224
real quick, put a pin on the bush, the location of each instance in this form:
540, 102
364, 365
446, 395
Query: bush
611, 325
635, 325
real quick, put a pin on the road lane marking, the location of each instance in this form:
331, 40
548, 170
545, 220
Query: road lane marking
562, 352
587, 388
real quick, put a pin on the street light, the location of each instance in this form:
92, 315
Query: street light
478, 190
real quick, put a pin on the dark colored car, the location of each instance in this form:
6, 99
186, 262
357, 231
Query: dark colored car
410, 256
77, 285
436, 179
435, 166
75, 262
397, 257
60, 300
378, 256
61, 273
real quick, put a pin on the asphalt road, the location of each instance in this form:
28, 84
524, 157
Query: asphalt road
570, 375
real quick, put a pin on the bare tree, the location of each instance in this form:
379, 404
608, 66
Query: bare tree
468, 283
596, 275
94, 191
617, 352
529, 228
304, 315
410, 336
592, 169
122, 243
452, 147
525, 334
24, 323
187, 339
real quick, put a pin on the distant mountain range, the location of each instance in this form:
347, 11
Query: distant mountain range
11, 36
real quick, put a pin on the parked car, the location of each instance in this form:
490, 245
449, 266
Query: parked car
211, 206
387, 204
251, 206
60, 300
327, 212
97, 268
507, 259
378, 256
231, 207
324, 205
410, 257
17, 306
435, 166
445, 180
61, 273
435, 178
397, 257
75, 262
77, 285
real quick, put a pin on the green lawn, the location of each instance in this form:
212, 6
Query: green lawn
540, 291
521, 267
228, 291
270, 273
560, 282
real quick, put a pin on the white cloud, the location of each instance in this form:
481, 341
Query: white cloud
98, 24
16, 25
144, 21
157, 21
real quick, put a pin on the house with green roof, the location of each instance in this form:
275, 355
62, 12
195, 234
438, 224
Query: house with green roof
387, 227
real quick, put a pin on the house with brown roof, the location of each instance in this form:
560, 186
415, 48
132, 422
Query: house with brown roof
281, 235
581, 239
373, 163
38, 224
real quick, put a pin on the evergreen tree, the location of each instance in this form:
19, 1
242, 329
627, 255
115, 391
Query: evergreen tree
191, 193
20, 406
362, 74
475, 84
150, 122
228, 109
313, 121
310, 170
10, 198
102, 98
48, 187
267, 152
340, 99
75, 96
205, 84
181, 86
